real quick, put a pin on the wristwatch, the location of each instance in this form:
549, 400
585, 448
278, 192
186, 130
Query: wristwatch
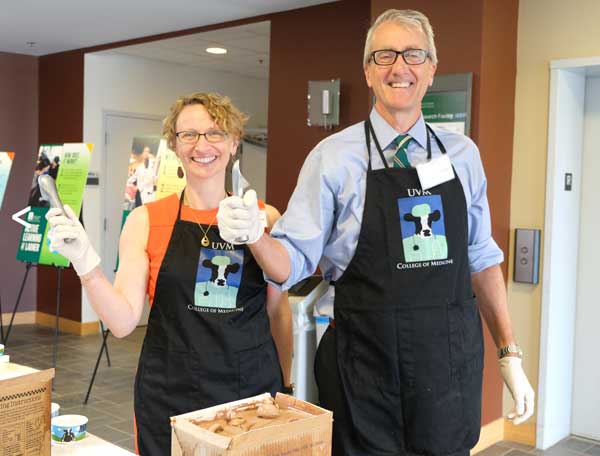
288, 389
512, 349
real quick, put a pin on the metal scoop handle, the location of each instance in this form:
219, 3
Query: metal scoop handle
239, 185
50, 194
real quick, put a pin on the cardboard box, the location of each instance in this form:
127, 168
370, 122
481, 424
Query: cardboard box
25, 396
310, 436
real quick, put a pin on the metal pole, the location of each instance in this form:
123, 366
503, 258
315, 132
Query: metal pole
102, 348
27, 267
105, 333
58, 286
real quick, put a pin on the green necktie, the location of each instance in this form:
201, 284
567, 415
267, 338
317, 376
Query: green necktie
401, 159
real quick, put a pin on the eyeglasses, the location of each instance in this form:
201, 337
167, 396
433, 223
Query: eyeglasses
386, 57
192, 136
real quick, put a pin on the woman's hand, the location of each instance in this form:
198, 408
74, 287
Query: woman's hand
68, 238
240, 220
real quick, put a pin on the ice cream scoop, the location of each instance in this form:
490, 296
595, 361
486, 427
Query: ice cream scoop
50, 193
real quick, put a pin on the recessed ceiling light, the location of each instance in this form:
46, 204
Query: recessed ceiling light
216, 50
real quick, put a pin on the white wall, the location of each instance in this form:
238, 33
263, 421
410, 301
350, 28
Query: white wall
135, 85
254, 167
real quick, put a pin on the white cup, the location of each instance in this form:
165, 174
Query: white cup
68, 428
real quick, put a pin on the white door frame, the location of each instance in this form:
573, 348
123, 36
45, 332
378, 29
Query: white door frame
559, 279
104, 165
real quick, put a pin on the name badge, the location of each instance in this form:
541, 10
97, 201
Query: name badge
435, 172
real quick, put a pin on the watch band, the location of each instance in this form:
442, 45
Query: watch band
512, 349
288, 389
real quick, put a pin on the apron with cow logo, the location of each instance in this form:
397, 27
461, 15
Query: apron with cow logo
208, 339
407, 328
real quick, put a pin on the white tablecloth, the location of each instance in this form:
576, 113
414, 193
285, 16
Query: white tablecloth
89, 446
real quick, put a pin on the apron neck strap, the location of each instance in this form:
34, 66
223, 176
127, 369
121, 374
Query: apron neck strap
180, 204
430, 133
370, 132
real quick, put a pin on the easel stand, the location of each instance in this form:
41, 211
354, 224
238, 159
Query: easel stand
103, 348
105, 332
58, 289
56, 324
12, 318
56, 321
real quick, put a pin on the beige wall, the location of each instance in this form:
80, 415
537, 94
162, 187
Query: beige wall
548, 30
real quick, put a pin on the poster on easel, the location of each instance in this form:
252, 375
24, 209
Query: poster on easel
152, 174
167, 180
68, 165
6, 161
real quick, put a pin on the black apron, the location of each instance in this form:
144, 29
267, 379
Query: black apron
408, 337
208, 339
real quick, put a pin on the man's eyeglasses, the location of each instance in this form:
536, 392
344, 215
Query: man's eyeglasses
192, 136
385, 57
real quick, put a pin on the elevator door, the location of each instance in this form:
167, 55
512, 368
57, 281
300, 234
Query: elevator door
586, 377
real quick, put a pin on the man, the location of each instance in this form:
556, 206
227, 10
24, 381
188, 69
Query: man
145, 175
401, 364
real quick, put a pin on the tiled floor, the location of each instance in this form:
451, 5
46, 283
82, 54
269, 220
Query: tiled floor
573, 446
110, 408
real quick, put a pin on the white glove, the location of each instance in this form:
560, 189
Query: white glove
519, 387
78, 250
240, 220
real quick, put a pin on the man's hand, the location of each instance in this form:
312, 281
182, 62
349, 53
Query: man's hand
68, 238
519, 387
240, 220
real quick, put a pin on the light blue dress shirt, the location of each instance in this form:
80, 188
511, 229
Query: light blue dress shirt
322, 222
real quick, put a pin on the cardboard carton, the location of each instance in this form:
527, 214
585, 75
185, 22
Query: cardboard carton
310, 436
25, 395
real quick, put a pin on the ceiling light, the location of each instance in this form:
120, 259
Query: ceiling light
216, 50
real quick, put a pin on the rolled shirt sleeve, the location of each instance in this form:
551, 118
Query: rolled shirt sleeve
305, 227
483, 250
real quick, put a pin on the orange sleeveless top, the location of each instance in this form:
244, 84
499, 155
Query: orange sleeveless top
162, 215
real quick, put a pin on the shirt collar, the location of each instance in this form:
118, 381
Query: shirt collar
386, 134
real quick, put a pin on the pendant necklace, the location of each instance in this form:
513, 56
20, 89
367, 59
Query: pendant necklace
205, 242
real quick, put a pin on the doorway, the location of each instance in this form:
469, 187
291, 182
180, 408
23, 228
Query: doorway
569, 397
120, 129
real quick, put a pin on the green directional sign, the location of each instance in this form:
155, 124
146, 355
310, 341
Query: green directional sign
447, 103
444, 107
68, 164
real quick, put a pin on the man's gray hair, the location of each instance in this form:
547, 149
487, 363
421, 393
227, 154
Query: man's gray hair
406, 18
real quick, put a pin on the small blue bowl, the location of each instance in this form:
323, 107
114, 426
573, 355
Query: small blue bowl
68, 428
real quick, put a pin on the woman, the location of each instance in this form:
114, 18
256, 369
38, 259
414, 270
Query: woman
216, 331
